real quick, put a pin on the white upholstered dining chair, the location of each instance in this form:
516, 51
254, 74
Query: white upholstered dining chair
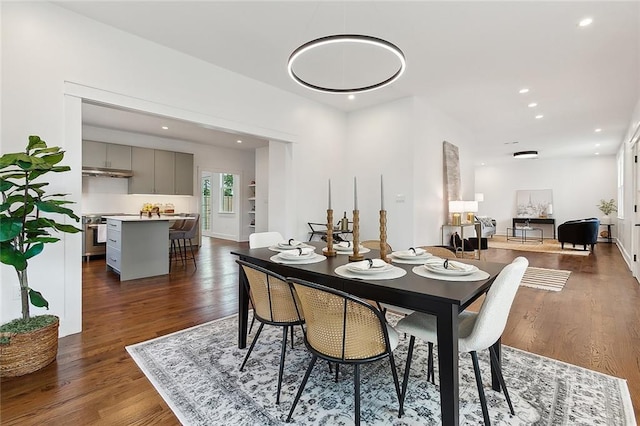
477, 331
264, 239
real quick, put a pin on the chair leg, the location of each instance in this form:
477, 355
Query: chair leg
498, 369
302, 385
396, 382
337, 371
255, 339
251, 326
282, 353
483, 401
430, 372
193, 256
405, 379
291, 337
356, 385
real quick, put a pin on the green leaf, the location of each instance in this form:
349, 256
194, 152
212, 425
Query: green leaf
42, 240
49, 207
67, 228
9, 228
46, 150
35, 250
5, 185
37, 299
35, 142
10, 256
54, 158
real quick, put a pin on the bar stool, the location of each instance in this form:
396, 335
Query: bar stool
186, 232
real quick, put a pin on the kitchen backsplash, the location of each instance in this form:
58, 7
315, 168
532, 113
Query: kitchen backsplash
110, 195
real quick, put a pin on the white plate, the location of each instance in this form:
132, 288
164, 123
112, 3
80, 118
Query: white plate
441, 270
408, 254
286, 246
371, 271
291, 255
341, 248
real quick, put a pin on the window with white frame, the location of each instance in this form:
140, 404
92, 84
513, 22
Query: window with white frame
226, 193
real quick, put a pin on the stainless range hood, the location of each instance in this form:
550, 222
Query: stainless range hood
99, 172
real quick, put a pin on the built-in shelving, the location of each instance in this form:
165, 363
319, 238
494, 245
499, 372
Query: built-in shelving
252, 205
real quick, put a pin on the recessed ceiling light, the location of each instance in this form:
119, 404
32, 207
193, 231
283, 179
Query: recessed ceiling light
238, 141
526, 154
523, 90
533, 104
482, 164
598, 130
165, 128
539, 116
351, 97
597, 153
585, 22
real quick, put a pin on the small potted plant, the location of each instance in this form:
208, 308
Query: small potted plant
607, 207
29, 343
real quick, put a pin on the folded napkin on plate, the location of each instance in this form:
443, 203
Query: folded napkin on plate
368, 264
414, 251
345, 244
301, 251
291, 243
438, 262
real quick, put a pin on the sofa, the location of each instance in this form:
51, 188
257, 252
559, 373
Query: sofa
487, 226
583, 232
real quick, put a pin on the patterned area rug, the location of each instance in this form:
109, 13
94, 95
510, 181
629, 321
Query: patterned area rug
548, 246
545, 279
197, 373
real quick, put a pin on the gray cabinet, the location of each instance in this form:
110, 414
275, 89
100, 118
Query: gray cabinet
106, 155
184, 174
138, 248
157, 171
143, 168
164, 172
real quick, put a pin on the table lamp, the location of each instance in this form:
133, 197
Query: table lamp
456, 208
470, 207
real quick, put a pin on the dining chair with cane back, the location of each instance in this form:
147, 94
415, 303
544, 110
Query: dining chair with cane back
260, 240
476, 331
342, 329
375, 245
273, 304
442, 252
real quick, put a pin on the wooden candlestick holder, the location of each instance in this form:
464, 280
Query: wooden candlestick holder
383, 237
330, 252
356, 256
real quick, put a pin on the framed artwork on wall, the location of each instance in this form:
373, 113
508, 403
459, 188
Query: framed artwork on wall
534, 203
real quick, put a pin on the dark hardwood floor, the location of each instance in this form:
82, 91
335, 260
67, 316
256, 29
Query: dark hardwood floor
594, 322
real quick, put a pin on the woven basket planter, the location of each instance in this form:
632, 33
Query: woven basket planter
29, 352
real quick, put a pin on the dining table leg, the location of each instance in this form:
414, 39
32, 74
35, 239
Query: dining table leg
448, 364
243, 308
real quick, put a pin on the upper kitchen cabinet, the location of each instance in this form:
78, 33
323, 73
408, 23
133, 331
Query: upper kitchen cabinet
161, 172
184, 173
106, 155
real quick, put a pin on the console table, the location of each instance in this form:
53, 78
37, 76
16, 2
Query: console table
538, 220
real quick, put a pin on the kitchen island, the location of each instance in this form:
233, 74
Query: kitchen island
138, 246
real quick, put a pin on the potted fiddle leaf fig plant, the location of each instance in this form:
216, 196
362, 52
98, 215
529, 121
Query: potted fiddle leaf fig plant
26, 224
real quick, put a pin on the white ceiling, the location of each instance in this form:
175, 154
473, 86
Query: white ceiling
469, 59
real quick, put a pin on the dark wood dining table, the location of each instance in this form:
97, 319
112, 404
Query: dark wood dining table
444, 299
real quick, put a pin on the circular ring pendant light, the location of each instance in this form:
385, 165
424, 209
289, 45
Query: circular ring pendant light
347, 38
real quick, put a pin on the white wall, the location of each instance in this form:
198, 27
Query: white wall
86, 59
578, 184
629, 235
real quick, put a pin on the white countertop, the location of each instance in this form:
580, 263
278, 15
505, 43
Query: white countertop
144, 218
